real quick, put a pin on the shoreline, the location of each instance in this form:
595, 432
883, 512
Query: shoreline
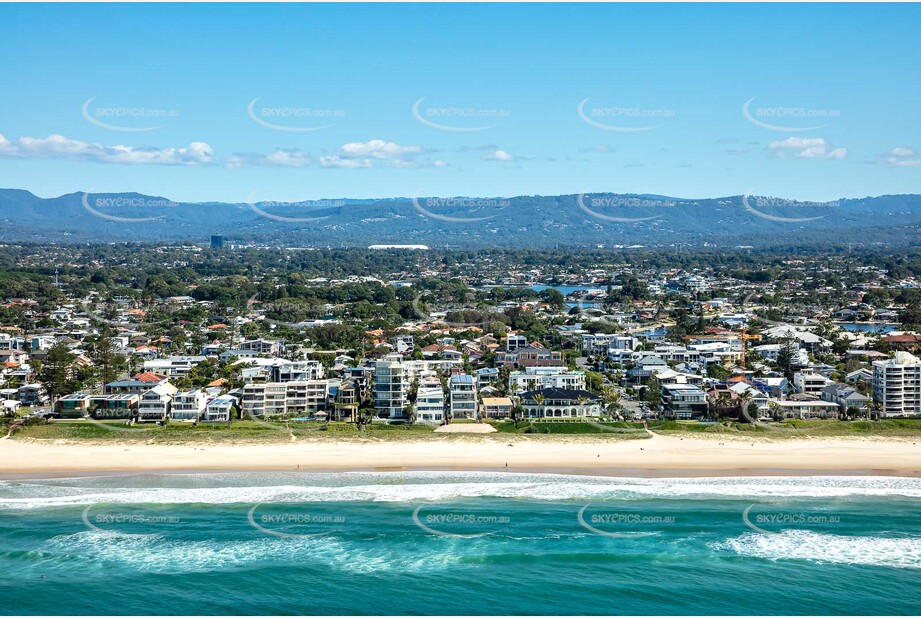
660, 456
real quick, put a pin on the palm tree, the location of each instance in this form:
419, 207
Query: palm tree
744, 397
611, 400
539, 400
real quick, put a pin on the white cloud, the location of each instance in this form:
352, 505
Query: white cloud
335, 161
903, 157
289, 158
806, 148
61, 147
498, 155
379, 149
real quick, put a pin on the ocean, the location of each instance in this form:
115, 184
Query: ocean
459, 543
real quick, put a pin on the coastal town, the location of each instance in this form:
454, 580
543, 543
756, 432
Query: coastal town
457, 342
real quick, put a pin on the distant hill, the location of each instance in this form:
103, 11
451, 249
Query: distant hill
526, 221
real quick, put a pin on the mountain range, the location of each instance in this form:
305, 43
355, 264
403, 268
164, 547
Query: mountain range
588, 220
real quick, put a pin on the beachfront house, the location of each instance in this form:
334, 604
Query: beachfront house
497, 407
154, 406
560, 403
189, 405
219, 409
75, 405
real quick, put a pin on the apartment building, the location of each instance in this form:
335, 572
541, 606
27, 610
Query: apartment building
263, 346
810, 383
299, 397
533, 378
291, 371
897, 385
530, 356
430, 404
462, 391
173, 366
391, 385
605, 343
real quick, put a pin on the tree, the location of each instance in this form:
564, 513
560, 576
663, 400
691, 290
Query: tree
611, 400
103, 354
516, 413
653, 393
56, 370
785, 357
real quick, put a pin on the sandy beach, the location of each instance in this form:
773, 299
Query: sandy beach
658, 456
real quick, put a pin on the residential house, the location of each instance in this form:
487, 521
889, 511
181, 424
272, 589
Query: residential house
189, 405
496, 407
559, 403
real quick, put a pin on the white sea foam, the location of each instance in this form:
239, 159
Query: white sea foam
807, 545
438, 486
155, 553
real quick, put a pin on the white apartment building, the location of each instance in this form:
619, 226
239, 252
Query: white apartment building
291, 371
391, 384
173, 366
189, 405
605, 343
463, 401
810, 383
263, 346
533, 378
897, 385
430, 404
286, 398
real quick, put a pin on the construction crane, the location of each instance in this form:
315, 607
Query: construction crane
744, 336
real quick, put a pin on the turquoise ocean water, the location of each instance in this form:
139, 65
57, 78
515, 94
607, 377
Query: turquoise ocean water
459, 543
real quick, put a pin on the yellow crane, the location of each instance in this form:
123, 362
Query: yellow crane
744, 336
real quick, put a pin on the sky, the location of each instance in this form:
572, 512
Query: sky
289, 102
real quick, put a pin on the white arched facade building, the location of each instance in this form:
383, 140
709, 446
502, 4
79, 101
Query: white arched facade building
560, 403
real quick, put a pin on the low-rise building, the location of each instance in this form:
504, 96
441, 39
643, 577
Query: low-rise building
497, 407
189, 405
559, 403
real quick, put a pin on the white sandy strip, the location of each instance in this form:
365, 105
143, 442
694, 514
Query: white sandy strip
466, 428
689, 456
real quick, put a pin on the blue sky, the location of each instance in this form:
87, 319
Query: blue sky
836, 89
